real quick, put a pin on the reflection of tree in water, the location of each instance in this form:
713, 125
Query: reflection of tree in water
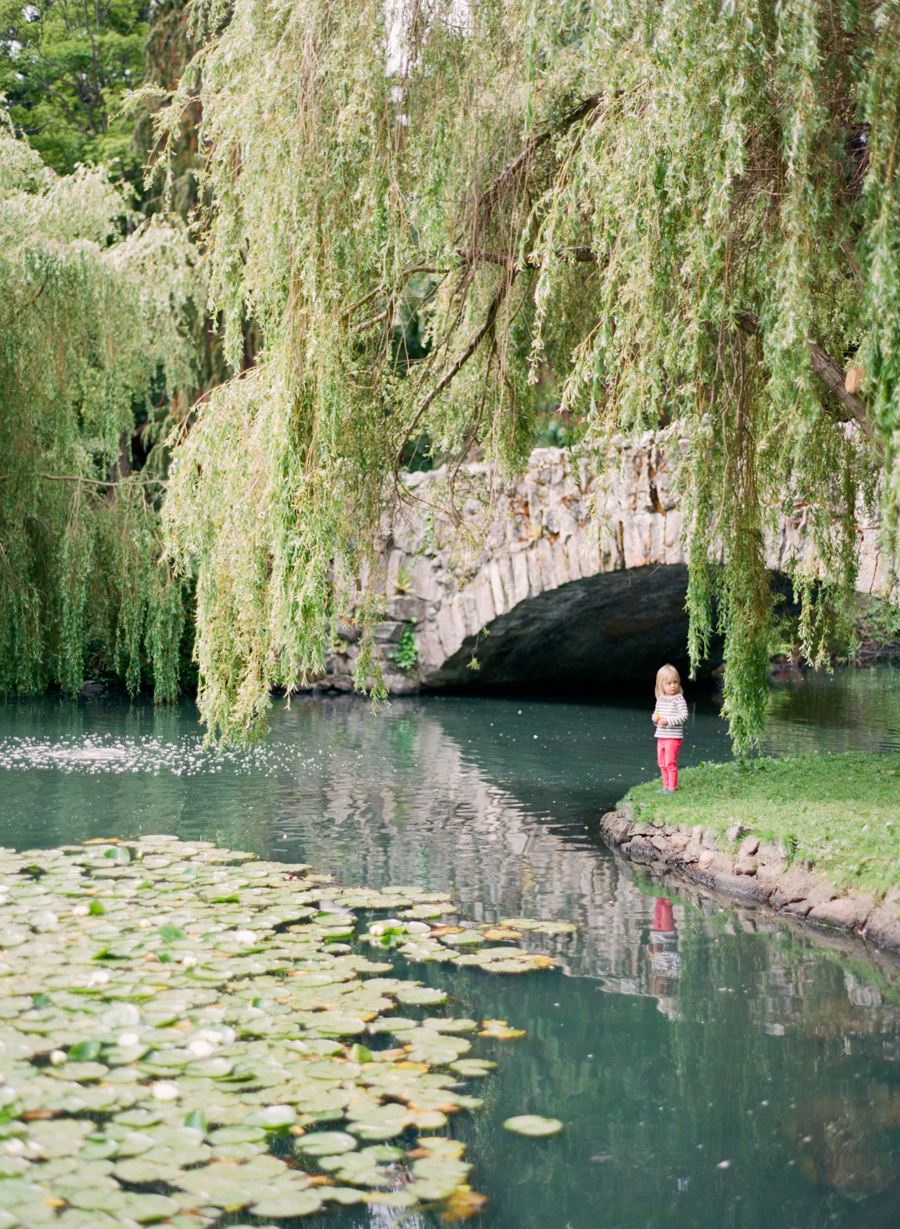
799, 1045
763, 1039
851, 710
745, 1019
842, 1140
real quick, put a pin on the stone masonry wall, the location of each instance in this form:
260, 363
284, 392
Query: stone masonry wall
560, 574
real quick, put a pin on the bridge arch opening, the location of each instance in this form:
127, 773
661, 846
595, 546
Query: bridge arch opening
615, 625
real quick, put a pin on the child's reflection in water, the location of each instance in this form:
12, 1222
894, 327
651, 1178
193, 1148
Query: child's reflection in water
665, 961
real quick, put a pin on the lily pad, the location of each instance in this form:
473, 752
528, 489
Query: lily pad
500, 1030
186, 1007
473, 1068
272, 1118
237, 1135
421, 996
331, 1069
437, 1177
326, 1143
539, 927
343, 1195
140, 1171
465, 938
533, 1125
301, 1203
145, 1209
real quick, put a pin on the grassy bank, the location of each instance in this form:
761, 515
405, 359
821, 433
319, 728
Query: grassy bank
842, 812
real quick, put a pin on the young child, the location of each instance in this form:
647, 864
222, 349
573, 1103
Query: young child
669, 716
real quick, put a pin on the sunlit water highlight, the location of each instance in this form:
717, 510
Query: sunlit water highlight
710, 1070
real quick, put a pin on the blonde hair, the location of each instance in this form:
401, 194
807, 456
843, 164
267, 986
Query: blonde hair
663, 675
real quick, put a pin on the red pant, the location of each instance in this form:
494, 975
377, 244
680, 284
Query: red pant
667, 757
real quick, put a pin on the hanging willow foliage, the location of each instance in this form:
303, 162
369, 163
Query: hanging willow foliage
89, 327
685, 208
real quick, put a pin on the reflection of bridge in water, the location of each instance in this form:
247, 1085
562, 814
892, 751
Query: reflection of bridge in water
779, 1054
446, 826
757, 1016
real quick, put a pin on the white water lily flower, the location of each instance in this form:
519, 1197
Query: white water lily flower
128, 1039
144, 923
57, 1057
189, 962
200, 1048
212, 1035
164, 1091
80, 910
100, 978
244, 936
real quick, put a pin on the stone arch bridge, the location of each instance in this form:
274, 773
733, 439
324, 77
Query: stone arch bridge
558, 577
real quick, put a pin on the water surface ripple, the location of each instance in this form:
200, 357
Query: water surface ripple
712, 1069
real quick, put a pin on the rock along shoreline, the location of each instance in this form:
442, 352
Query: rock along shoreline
745, 870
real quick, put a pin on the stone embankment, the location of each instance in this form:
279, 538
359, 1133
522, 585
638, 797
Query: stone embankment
740, 866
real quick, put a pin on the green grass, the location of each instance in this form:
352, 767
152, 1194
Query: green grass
842, 812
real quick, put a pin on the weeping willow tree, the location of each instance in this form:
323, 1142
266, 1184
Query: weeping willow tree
89, 335
672, 208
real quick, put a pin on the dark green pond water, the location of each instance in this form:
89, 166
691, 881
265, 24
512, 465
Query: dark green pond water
713, 1069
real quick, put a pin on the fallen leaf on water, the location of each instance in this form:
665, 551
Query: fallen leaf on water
462, 1204
499, 1029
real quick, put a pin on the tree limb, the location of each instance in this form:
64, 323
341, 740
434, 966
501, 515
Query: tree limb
827, 370
31, 302
493, 308
496, 187
382, 289
584, 255
834, 378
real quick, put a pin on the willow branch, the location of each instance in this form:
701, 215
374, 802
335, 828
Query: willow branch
827, 370
31, 302
372, 321
373, 294
496, 301
97, 482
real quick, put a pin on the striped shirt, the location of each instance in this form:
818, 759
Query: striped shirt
675, 711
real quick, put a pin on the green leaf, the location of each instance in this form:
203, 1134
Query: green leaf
84, 1052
